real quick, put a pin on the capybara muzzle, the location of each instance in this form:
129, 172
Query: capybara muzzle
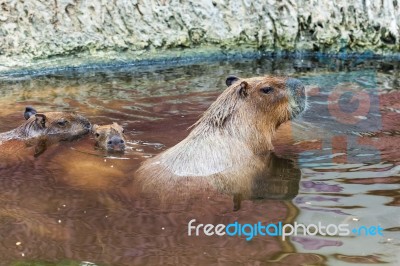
297, 96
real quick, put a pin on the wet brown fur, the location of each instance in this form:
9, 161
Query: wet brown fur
238, 126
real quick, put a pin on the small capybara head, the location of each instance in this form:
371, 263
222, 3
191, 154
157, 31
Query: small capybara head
56, 125
110, 137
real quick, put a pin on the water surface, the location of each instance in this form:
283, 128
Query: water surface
338, 163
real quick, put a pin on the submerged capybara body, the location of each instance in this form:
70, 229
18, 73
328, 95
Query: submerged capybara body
109, 137
240, 124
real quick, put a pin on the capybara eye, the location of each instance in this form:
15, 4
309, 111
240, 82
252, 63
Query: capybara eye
97, 135
62, 123
123, 131
267, 90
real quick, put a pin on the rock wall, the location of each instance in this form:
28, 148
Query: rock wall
40, 29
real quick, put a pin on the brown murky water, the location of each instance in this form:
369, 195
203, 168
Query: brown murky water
73, 205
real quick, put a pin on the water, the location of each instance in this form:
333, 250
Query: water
339, 163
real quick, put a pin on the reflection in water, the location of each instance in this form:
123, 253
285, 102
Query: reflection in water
266, 177
254, 178
331, 199
77, 203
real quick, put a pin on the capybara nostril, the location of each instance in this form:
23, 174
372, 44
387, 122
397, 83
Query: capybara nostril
88, 125
116, 140
122, 141
85, 122
109, 142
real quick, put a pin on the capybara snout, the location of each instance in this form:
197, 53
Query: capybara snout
116, 143
297, 96
110, 137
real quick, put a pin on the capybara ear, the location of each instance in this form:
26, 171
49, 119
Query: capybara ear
230, 80
29, 111
242, 91
40, 120
118, 126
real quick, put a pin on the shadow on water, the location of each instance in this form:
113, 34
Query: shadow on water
339, 163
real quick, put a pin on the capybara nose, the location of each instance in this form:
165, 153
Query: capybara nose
116, 143
87, 124
296, 87
297, 96
84, 122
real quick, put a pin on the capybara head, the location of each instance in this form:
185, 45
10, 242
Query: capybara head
251, 109
56, 125
110, 137
280, 98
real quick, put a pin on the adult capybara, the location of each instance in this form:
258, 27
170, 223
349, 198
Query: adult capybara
110, 137
237, 127
43, 129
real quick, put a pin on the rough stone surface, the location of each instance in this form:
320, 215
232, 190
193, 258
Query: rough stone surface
40, 29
